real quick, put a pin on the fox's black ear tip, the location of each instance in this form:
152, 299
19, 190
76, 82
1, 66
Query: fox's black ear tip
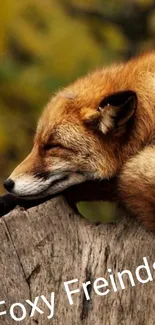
131, 101
133, 97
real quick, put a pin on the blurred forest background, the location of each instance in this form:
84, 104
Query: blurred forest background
46, 44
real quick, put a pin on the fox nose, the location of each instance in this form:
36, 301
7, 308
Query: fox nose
9, 184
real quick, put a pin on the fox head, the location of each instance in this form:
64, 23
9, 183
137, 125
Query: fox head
85, 133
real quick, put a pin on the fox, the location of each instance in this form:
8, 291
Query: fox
101, 127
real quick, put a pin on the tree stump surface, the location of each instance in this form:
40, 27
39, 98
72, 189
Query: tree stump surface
45, 246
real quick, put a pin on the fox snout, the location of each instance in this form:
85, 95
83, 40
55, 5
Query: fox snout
33, 187
32, 180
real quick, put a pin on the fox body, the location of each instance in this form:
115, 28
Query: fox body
100, 127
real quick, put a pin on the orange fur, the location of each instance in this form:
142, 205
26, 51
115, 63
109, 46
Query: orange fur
74, 136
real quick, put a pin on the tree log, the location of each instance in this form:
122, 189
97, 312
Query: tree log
45, 246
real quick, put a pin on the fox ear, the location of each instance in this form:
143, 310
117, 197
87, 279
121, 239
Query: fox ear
116, 109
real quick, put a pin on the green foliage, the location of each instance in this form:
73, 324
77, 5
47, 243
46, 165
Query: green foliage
99, 211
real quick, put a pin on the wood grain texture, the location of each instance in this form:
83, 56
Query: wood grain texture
47, 245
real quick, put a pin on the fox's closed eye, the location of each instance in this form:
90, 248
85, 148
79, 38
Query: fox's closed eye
50, 146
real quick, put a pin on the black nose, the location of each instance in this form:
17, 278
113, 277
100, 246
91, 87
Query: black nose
9, 184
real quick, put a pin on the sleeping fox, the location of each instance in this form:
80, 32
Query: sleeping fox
100, 127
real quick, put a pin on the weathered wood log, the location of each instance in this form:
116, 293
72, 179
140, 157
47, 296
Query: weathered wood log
45, 246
